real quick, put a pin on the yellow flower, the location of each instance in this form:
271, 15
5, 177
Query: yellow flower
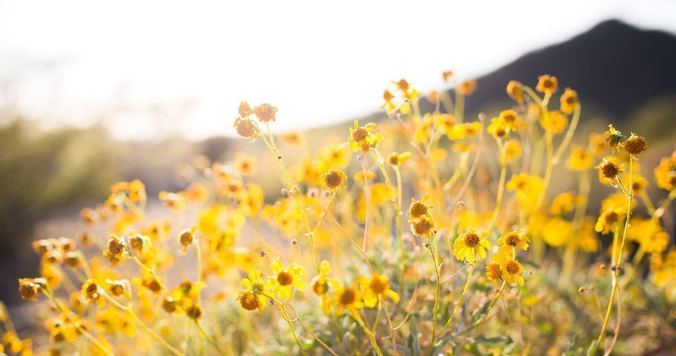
322, 285
364, 138
443, 122
527, 188
547, 84
245, 165
635, 145
609, 169
471, 246
557, 231
609, 220
565, 203
586, 240
494, 272
497, 128
286, 279
665, 173
397, 159
255, 288
464, 130
347, 299
511, 271
569, 101
467, 87
422, 129
580, 159
375, 289
407, 91
420, 219
515, 240
514, 91
554, 122
613, 137
29, 288
335, 156
334, 180
511, 151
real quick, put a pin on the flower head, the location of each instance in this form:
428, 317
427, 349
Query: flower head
265, 112
286, 279
511, 271
635, 145
609, 169
514, 91
364, 138
547, 84
376, 289
471, 246
334, 180
246, 128
569, 101
255, 288
514, 240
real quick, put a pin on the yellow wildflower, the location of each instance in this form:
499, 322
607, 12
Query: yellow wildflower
376, 289
471, 246
286, 279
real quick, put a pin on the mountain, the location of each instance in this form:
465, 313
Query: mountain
614, 66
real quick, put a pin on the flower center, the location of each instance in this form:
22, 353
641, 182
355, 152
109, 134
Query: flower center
472, 239
359, 134
377, 286
610, 170
347, 297
284, 278
512, 267
512, 239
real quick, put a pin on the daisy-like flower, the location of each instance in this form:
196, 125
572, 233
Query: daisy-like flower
569, 101
286, 279
255, 288
347, 299
364, 138
580, 159
515, 240
609, 169
471, 246
377, 288
334, 180
547, 84
511, 271
635, 145
322, 284
514, 91
613, 137
494, 272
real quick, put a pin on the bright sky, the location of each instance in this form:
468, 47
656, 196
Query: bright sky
151, 68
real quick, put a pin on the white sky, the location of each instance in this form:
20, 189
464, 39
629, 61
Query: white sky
153, 68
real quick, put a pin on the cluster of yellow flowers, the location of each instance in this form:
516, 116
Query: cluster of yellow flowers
327, 266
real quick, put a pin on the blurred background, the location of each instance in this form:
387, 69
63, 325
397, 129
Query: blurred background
92, 93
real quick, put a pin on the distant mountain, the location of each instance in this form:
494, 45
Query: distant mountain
614, 66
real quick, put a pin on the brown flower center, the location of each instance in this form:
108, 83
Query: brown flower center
512, 239
284, 278
610, 170
347, 297
377, 286
359, 134
417, 209
249, 301
512, 267
334, 179
472, 239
